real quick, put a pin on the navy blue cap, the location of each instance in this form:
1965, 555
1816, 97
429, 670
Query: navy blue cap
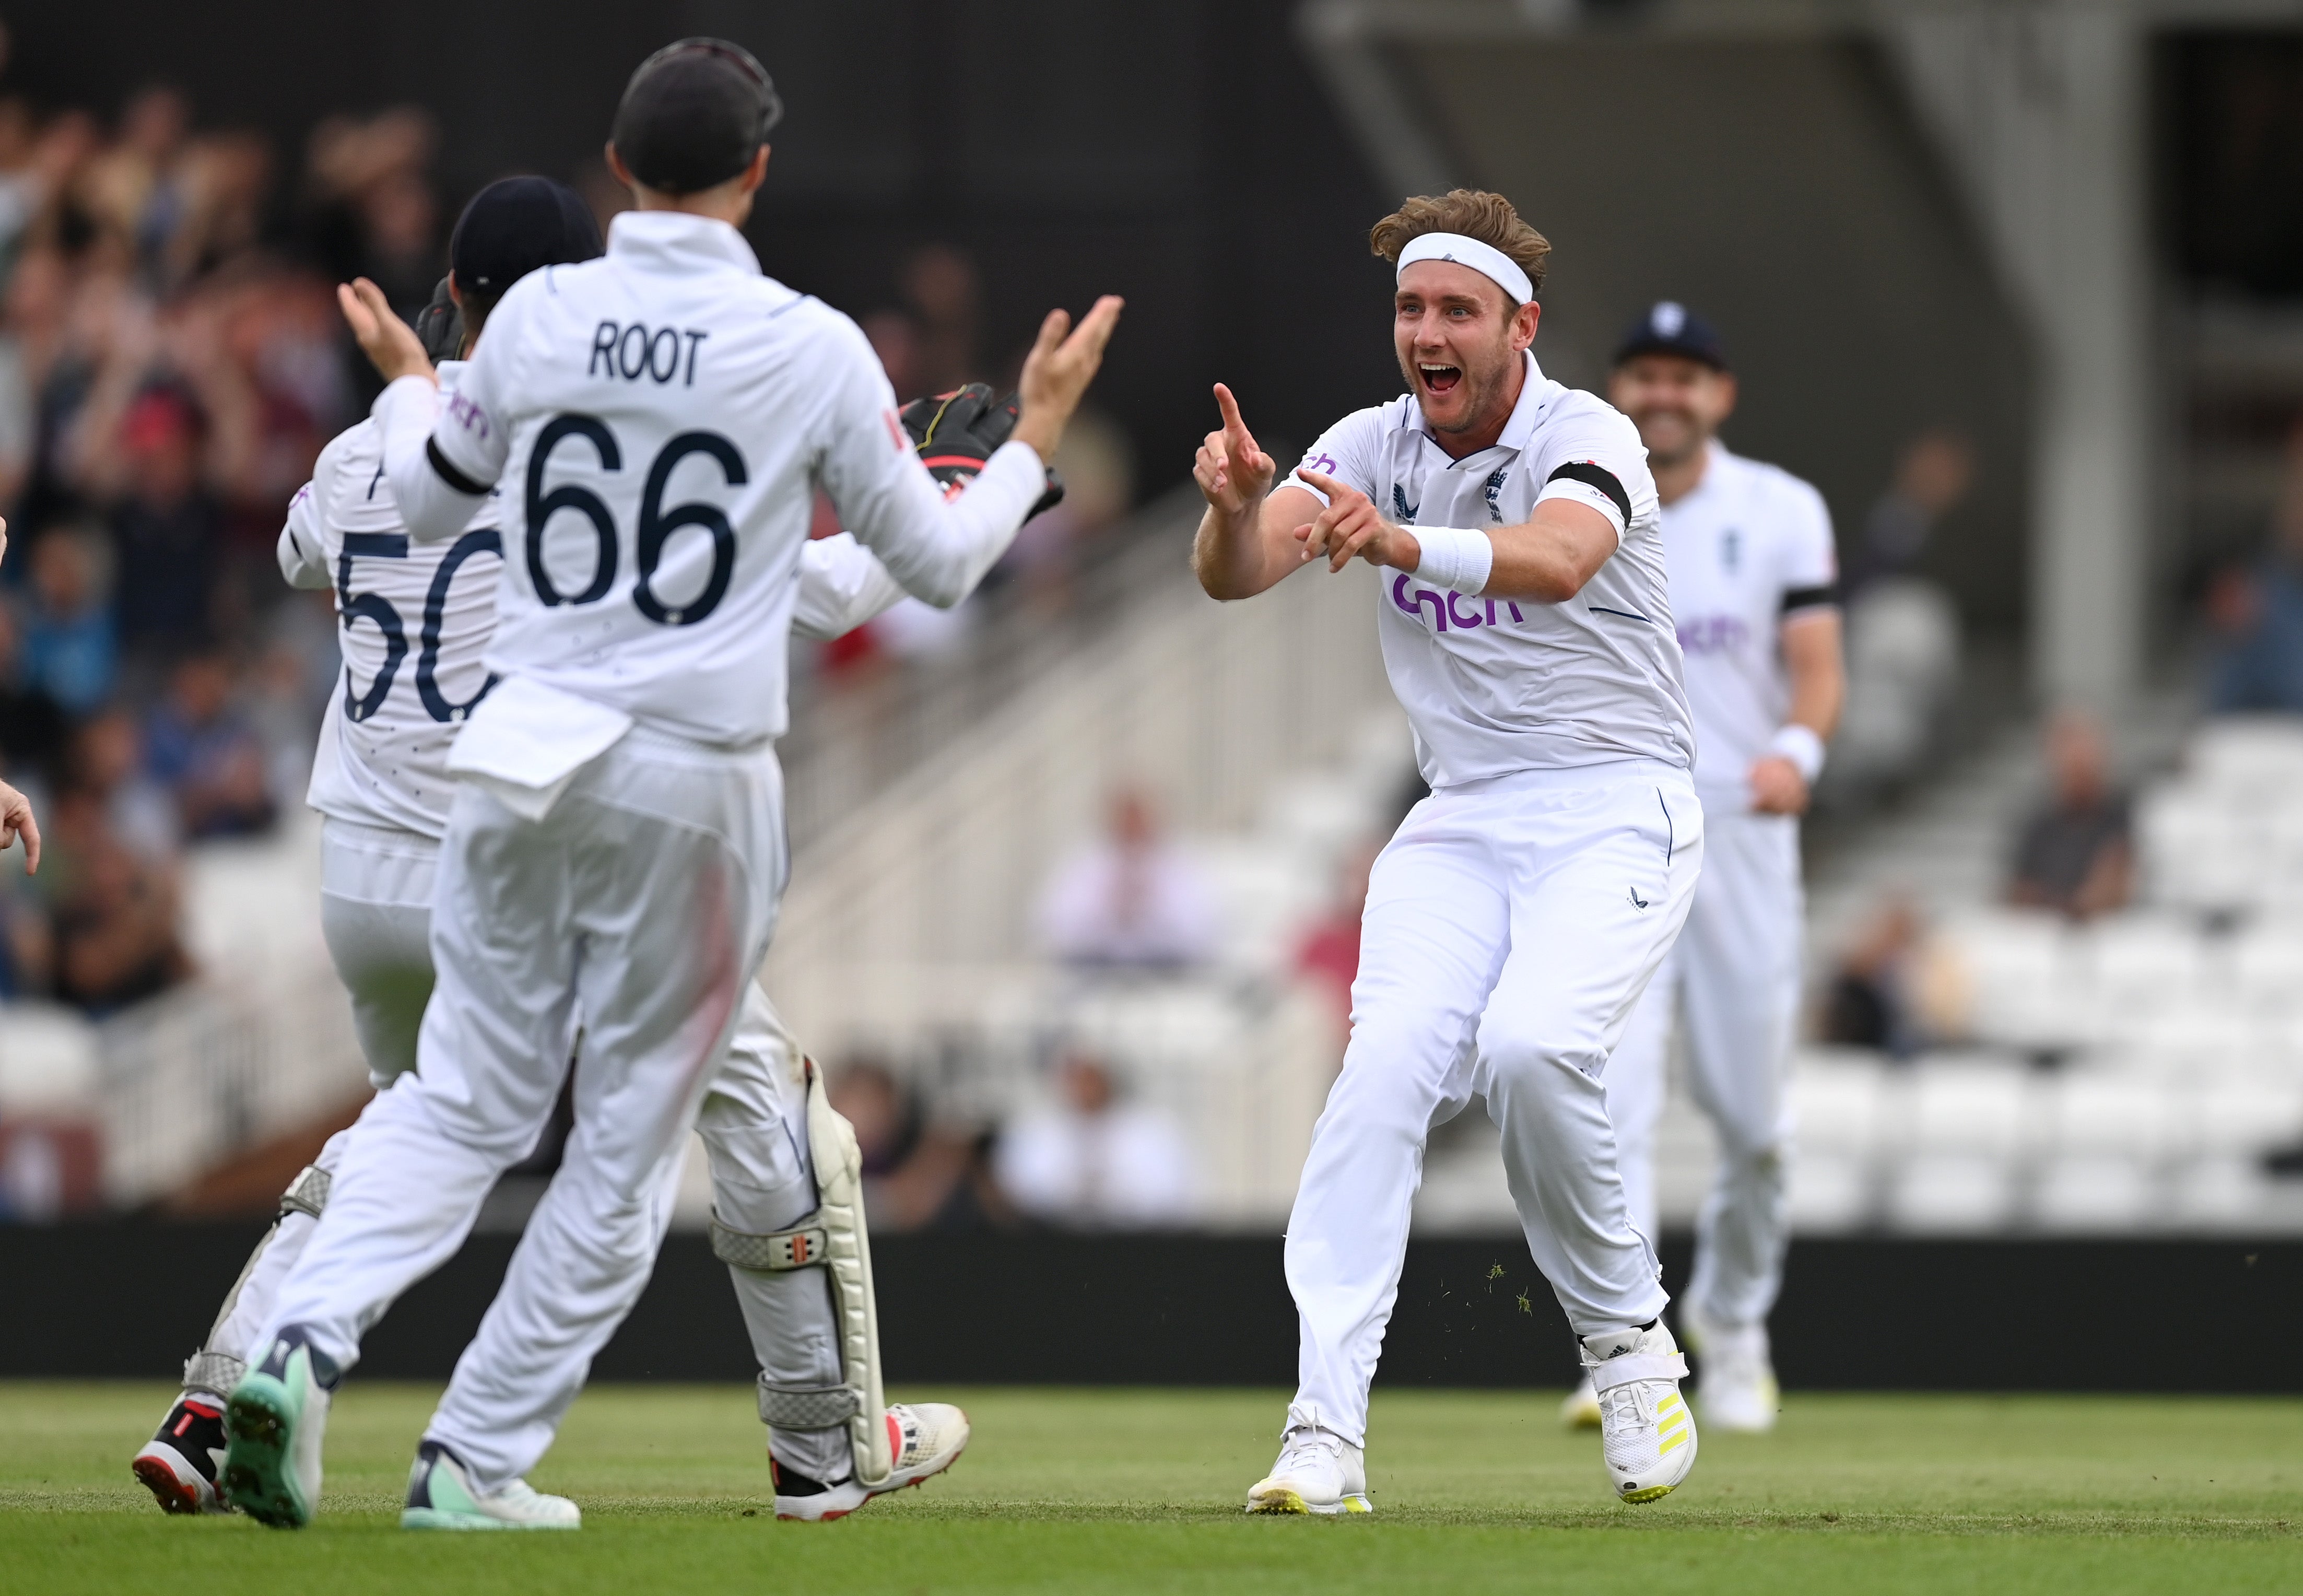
515, 226
1671, 328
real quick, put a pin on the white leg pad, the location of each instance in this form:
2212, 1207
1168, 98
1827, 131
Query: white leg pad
835, 1239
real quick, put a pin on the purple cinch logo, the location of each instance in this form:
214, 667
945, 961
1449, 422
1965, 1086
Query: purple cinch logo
468, 414
1714, 634
1322, 464
1444, 607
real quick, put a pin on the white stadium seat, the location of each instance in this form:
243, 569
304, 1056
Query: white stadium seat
1951, 1193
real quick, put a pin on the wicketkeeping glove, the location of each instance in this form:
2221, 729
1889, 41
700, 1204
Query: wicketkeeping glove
957, 432
440, 327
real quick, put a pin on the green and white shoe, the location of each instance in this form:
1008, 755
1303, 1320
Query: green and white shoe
275, 1421
441, 1497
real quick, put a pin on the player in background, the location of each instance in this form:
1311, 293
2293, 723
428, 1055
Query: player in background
661, 418
1515, 918
1753, 586
415, 618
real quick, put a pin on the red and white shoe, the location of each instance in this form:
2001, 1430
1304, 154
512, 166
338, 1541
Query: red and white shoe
178, 1465
924, 1438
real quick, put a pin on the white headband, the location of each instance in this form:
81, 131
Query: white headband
1483, 258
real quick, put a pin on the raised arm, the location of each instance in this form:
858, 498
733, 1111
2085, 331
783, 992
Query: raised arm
938, 549
440, 458
1247, 539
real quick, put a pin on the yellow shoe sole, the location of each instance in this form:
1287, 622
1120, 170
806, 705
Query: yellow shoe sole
1652, 1493
1290, 1501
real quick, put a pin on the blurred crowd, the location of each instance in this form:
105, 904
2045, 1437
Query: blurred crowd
171, 362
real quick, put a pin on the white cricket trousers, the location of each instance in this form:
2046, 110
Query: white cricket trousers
375, 914
1733, 979
645, 899
1510, 927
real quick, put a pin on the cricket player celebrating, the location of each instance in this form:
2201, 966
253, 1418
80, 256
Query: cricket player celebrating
1514, 920
381, 781
1752, 572
660, 419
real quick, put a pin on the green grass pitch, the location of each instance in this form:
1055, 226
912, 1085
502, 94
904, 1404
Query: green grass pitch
1140, 1491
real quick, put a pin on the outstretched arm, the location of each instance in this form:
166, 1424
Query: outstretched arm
937, 548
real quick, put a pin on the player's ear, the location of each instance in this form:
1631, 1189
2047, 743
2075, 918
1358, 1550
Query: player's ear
1524, 320
756, 172
1727, 393
623, 173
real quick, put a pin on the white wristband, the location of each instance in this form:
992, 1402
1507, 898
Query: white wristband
1800, 746
1453, 559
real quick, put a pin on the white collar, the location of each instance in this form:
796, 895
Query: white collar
1534, 394
674, 240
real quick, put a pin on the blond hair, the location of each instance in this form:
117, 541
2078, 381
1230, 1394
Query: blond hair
1473, 212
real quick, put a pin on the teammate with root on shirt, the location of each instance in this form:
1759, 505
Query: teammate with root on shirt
1515, 918
416, 619
660, 420
1754, 587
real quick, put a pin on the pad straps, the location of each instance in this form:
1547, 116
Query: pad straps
800, 1248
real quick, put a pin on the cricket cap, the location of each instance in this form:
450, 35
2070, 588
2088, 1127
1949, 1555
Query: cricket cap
1670, 328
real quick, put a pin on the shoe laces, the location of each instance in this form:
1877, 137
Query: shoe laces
1305, 1445
1627, 1411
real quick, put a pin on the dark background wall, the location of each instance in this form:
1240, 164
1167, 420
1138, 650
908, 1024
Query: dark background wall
1179, 153
131, 1300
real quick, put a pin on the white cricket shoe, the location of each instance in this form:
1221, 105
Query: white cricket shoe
1646, 1432
923, 1438
1318, 1472
1581, 1408
1737, 1390
441, 1497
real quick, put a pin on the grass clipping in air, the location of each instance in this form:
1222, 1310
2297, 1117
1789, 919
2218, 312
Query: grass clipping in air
1141, 1491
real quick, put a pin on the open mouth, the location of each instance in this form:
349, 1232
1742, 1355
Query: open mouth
1441, 379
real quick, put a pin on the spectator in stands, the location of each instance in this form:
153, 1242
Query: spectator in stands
1091, 1162
1130, 901
199, 745
2076, 853
1329, 953
32, 728
944, 294
2257, 613
71, 649
1898, 986
1902, 628
107, 759
375, 215
114, 915
166, 531
917, 1175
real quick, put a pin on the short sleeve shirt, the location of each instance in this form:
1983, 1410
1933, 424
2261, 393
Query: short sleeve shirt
1491, 685
1750, 545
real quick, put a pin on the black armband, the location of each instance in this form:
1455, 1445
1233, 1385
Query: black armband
448, 473
1596, 476
1810, 598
